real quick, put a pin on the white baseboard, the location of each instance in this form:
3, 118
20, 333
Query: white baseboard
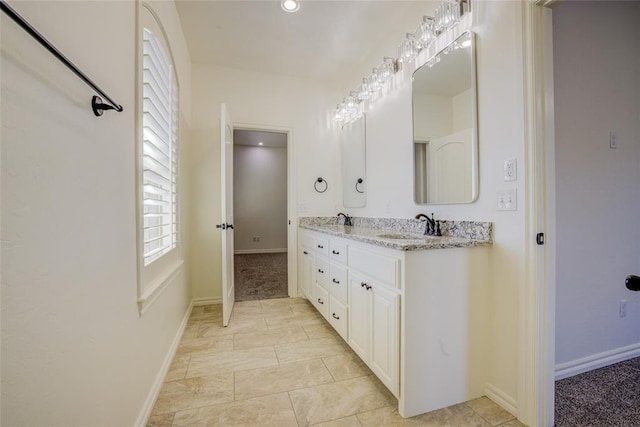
259, 251
206, 301
600, 360
143, 417
507, 402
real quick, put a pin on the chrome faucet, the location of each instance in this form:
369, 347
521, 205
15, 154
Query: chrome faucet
432, 226
347, 219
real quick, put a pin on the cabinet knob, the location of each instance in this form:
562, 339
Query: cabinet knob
337, 282
335, 317
320, 247
367, 286
305, 252
335, 252
320, 301
320, 271
362, 284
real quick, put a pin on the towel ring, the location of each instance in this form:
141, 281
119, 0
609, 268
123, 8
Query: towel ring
320, 180
359, 181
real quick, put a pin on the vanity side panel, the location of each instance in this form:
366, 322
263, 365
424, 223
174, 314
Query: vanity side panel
444, 318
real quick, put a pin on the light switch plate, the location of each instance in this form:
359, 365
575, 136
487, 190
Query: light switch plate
510, 170
507, 200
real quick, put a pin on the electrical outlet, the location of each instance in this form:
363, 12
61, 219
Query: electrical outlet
507, 200
256, 238
510, 172
613, 139
623, 308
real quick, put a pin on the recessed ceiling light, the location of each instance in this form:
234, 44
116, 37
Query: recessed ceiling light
290, 5
260, 143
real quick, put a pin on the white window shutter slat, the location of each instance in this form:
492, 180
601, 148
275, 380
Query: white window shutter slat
160, 151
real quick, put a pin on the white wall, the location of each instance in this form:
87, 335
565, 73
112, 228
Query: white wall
462, 110
597, 188
298, 105
75, 350
442, 115
260, 198
435, 116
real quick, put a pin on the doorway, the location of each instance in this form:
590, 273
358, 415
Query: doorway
597, 182
260, 208
582, 178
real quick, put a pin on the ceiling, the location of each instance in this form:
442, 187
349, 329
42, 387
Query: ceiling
254, 138
326, 40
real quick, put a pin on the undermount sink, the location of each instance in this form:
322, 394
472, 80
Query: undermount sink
400, 236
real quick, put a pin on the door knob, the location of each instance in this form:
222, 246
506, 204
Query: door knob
223, 226
230, 226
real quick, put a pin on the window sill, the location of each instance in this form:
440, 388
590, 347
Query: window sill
153, 291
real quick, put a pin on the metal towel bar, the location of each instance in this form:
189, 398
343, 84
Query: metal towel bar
96, 102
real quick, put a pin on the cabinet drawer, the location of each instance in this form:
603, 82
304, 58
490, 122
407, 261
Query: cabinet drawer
322, 271
338, 282
306, 239
321, 246
338, 251
321, 300
338, 317
377, 266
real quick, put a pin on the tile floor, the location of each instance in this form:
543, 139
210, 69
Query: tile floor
279, 363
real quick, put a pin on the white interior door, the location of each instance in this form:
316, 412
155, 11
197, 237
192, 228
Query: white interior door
226, 226
449, 172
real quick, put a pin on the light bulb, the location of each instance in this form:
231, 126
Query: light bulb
363, 90
374, 81
386, 70
426, 32
290, 5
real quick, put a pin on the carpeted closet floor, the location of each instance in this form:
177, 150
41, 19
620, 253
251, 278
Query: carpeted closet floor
260, 276
608, 396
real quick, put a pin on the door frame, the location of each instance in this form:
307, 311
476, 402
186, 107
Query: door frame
536, 345
292, 218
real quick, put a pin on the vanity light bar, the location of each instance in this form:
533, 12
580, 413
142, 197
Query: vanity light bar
447, 14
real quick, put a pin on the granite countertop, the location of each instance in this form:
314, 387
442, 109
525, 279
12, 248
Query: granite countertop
410, 241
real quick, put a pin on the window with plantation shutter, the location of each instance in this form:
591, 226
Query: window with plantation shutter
159, 151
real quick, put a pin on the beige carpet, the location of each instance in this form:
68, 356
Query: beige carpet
260, 276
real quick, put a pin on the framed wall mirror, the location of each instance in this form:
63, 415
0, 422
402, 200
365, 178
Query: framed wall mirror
354, 184
445, 133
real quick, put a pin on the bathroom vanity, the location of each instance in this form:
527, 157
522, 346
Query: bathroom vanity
413, 307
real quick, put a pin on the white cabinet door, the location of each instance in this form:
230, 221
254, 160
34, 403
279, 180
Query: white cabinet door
384, 342
305, 272
360, 315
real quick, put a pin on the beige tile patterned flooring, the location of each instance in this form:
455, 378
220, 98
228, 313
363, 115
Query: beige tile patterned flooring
278, 363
